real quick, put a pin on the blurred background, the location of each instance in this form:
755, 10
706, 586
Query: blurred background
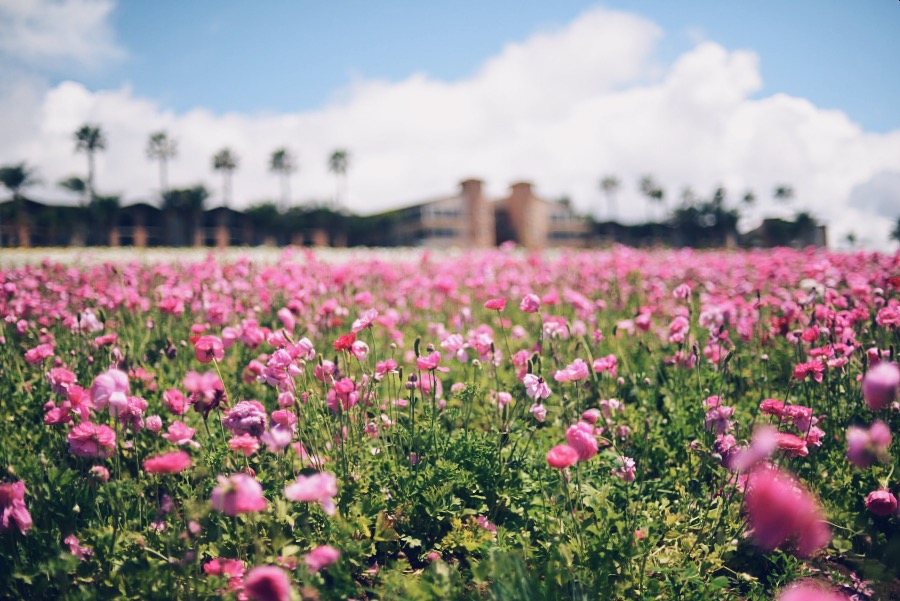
623, 113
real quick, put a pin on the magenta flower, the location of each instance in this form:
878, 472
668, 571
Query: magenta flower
13, 512
865, 447
496, 304
238, 494
76, 549
782, 511
880, 385
321, 557
207, 348
268, 583
581, 437
168, 463
535, 387
247, 417
811, 369
562, 456
90, 440
810, 591
319, 488
881, 502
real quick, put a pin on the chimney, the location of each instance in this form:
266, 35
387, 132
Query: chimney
480, 215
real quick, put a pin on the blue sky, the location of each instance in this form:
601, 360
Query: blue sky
698, 94
285, 56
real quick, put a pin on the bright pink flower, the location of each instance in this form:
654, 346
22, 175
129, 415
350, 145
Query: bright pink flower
319, 488
811, 369
207, 348
429, 362
810, 591
175, 401
530, 303
880, 385
268, 583
13, 512
535, 387
100, 473
244, 443
608, 363
882, 503
865, 447
781, 511
168, 463
60, 379
562, 456
154, 423
39, 353
287, 319
496, 304
581, 437
793, 446
343, 395
90, 440
321, 557
238, 494
345, 342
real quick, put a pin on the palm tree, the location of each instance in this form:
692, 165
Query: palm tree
90, 139
14, 178
610, 186
282, 162
226, 162
651, 190
75, 184
160, 147
338, 162
895, 234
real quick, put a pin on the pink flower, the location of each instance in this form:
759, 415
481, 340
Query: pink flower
39, 353
811, 369
780, 511
575, 371
110, 388
430, 362
319, 488
245, 444
793, 446
882, 503
175, 401
562, 456
608, 363
168, 463
810, 591
268, 583
365, 321
76, 549
13, 512
237, 494
154, 423
321, 557
247, 417
535, 387
207, 348
60, 379
90, 440
180, 434
538, 411
530, 303
100, 473
581, 437
626, 468
864, 447
496, 304
880, 385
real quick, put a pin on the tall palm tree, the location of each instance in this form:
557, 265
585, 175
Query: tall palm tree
610, 185
651, 190
895, 233
90, 139
283, 163
14, 178
160, 147
226, 162
338, 163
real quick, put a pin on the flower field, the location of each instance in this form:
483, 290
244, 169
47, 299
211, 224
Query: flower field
499, 425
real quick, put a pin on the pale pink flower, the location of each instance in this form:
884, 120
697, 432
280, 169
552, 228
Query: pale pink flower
535, 387
247, 417
365, 321
575, 371
538, 411
625, 469
180, 434
530, 303
244, 443
810, 591
207, 348
110, 388
320, 488
238, 494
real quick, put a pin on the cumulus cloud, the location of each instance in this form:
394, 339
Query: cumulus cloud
562, 108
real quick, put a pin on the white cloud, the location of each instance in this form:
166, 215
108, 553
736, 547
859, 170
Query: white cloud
54, 33
561, 108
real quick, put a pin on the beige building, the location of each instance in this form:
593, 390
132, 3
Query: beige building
468, 219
